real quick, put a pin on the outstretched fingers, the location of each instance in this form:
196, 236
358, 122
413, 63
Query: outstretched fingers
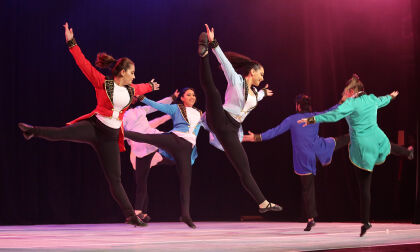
303, 121
249, 137
176, 93
155, 85
394, 94
268, 92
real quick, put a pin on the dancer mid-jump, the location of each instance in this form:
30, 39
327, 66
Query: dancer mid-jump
101, 128
224, 120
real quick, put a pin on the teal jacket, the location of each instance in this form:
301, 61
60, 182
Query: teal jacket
369, 146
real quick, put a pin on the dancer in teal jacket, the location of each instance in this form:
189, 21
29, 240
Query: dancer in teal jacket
369, 146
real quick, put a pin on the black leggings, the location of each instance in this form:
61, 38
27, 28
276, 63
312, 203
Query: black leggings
308, 195
399, 151
104, 141
180, 149
142, 173
364, 179
341, 141
226, 130
308, 182
396, 150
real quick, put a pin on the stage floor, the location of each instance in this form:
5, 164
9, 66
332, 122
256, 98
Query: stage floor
209, 236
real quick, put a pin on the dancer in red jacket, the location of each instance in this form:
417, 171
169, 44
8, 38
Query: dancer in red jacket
101, 128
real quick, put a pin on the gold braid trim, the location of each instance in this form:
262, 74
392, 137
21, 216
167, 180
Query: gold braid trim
71, 43
257, 137
131, 91
151, 84
141, 97
183, 111
109, 89
311, 120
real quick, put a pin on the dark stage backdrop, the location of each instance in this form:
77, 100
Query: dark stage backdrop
305, 46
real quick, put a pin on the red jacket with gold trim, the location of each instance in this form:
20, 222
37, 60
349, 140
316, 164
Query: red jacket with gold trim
104, 90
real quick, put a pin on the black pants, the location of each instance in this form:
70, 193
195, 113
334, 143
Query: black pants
308, 195
142, 174
341, 141
226, 130
143, 166
364, 179
308, 183
104, 141
180, 149
399, 151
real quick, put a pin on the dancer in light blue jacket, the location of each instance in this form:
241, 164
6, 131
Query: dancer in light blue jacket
179, 144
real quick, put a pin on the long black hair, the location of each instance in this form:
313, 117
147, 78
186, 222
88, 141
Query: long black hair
241, 63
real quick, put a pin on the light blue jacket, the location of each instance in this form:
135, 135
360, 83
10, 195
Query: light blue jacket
179, 117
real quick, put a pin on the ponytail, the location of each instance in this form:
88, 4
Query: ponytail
355, 84
241, 63
106, 61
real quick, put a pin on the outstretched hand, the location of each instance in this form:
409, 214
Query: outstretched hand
68, 33
249, 138
155, 85
304, 121
394, 94
268, 92
210, 33
176, 93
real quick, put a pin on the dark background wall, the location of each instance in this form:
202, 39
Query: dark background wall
305, 46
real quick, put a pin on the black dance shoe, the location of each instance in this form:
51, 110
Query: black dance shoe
203, 44
411, 153
27, 130
309, 225
136, 221
188, 221
144, 218
364, 228
270, 207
